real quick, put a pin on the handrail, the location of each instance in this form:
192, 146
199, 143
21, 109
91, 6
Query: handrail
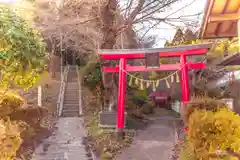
62, 91
80, 91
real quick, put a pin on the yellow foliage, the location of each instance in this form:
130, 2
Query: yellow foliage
200, 103
10, 139
4, 46
9, 102
141, 93
14, 120
9, 97
186, 152
153, 75
210, 131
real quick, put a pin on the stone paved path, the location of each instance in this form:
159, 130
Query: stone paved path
66, 143
155, 142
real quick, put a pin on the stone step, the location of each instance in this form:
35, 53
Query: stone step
70, 110
72, 83
71, 103
74, 99
71, 91
66, 141
72, 86
60, 148
71, 99
74, 108
75, 88
72, 80
70, 114
72, 75
79, 155
72, 94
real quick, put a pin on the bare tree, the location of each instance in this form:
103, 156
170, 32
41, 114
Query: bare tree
87, 26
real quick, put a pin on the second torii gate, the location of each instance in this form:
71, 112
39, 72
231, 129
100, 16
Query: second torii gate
124, 54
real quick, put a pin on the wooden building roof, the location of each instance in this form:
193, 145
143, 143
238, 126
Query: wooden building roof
220, 19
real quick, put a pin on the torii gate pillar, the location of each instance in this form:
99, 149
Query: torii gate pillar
121, 96
184, 79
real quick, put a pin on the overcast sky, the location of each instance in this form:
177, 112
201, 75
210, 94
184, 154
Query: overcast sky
6, 1
166, 31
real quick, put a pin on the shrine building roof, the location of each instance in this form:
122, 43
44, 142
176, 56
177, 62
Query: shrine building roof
220, 19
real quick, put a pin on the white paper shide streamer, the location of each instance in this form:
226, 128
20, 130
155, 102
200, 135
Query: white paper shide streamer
143, 83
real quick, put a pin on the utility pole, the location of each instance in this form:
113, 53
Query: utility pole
59, 4
238, 26
61, 57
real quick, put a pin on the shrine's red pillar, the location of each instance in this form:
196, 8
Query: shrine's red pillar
184, 79
121, 94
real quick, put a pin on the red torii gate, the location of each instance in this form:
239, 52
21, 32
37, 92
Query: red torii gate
122, 68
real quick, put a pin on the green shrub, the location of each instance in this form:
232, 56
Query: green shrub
92, 75
142, 94
22, 51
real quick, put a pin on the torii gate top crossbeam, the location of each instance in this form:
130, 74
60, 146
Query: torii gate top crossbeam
125, 54
198, 49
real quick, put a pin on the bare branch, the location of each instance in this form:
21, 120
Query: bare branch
135, 12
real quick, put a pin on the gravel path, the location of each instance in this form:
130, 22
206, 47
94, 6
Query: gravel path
156, 142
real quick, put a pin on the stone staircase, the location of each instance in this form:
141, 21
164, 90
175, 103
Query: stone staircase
68, 141
71, 96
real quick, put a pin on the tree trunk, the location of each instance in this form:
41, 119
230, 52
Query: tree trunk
54, 65
109, 40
